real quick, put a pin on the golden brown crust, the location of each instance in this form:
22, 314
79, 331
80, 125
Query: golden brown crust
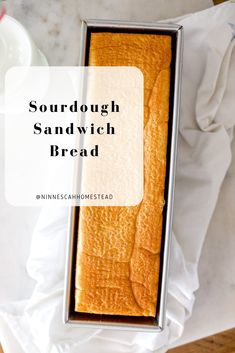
118, 256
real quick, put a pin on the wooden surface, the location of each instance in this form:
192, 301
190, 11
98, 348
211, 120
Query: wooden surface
216, 2
223, 342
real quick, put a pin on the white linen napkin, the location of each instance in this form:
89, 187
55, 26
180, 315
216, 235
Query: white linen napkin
204, 155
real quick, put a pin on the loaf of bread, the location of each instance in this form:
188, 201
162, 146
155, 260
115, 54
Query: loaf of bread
118, 254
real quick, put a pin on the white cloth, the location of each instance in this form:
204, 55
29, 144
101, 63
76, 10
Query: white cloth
206, 131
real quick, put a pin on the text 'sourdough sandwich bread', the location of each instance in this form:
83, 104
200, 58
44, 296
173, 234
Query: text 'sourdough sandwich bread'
118, 254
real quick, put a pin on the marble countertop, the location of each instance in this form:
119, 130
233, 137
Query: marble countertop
55, 25
55, 28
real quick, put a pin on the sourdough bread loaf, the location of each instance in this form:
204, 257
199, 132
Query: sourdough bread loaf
118, 254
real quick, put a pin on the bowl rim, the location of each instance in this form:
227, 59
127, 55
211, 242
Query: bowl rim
23, 33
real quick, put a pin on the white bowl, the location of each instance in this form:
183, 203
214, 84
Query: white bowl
16, 49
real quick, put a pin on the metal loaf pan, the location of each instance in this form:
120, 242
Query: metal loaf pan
130, 322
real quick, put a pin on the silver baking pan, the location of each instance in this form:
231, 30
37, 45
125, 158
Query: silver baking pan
123, 322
